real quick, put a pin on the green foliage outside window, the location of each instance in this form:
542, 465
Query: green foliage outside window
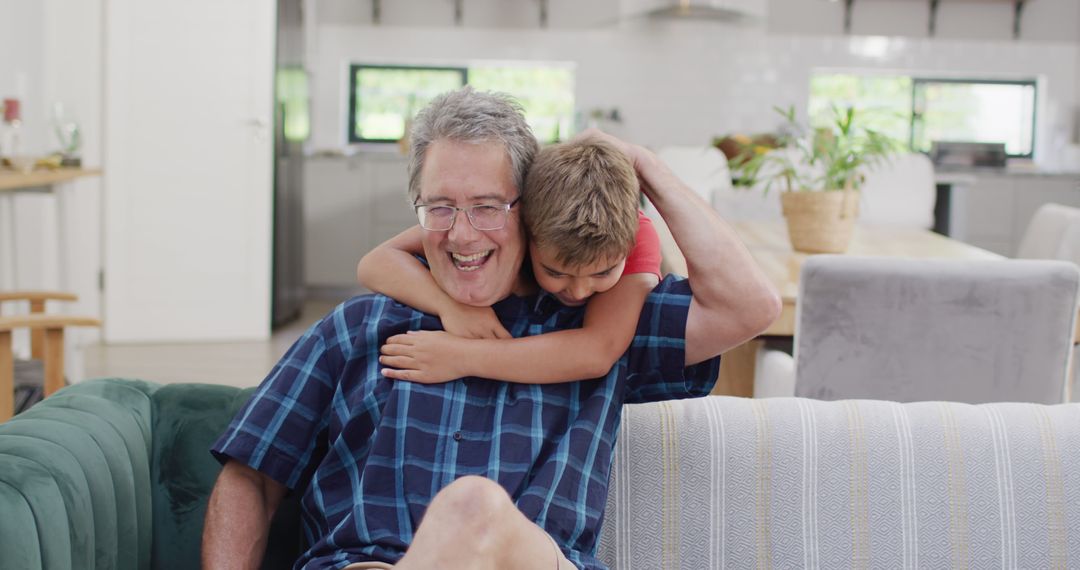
976, 112
292, 98
385, 98
884, 102
546, 94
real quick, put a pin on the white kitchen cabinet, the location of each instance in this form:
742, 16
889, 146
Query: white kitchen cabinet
994, 211
1033, 192
982, 213
351, 205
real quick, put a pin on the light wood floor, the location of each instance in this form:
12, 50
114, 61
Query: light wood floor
240, 364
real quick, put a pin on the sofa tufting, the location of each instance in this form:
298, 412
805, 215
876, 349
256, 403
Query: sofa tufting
116, 473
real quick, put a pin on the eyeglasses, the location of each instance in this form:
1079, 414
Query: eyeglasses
484, 217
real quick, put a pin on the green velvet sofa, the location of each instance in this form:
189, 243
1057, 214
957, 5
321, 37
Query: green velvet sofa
116, 474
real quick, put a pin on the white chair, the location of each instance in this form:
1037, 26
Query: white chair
907, 330
755, 202
705, 171
703, 168
900, 192
1054, 233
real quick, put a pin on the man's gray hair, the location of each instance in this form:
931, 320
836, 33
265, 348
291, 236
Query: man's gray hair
471, 116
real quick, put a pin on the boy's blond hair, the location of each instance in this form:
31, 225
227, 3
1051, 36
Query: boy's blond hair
581, 202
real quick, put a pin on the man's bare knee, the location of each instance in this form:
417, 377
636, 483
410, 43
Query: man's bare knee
473, 509
474, 524
472, 497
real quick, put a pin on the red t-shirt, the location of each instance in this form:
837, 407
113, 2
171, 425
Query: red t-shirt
645, 257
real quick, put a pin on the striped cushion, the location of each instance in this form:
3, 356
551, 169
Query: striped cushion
796, 483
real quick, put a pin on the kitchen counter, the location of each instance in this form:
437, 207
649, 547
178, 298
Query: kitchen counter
950, 172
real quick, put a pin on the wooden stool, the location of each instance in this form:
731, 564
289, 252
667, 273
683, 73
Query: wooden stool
47, 342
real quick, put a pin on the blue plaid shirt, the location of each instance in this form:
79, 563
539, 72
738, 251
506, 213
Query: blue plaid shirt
370, 453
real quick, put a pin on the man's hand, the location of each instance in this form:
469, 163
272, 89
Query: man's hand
472, 322
428, 357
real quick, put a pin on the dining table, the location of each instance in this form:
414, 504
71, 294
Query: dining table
770, 247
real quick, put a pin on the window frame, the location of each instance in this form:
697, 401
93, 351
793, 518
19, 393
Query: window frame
1033, 83
355, 68
918, 80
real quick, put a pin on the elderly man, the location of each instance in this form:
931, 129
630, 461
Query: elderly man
473, 473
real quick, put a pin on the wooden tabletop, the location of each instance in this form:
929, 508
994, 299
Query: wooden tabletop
768, 243
11, 180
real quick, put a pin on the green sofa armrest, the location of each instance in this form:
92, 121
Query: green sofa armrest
116, 473
75, 475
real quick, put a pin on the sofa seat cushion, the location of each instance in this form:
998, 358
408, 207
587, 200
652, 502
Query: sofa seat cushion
724, 482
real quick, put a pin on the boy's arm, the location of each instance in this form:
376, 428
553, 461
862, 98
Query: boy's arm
393, 270
733, 300
579, 354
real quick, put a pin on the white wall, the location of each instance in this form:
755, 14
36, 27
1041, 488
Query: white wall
675, 82
72, 75
50, 51
20, 62
683, 82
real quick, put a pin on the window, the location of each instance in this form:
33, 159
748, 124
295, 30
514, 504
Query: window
974, 111
921, 110
384, 98
884, 102
545, 92
292, 100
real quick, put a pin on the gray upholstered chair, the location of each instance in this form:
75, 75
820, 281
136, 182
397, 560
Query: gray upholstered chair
910, 330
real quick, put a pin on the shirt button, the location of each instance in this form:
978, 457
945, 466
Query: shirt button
457, 436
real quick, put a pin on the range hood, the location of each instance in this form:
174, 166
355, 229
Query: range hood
722, 10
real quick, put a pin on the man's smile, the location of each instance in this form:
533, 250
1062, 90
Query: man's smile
470, 262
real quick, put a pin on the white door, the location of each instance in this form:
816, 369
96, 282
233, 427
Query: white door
188, 169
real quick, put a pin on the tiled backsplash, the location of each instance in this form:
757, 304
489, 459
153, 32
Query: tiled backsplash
679, 82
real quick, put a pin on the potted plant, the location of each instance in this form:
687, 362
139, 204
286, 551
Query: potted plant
819, 171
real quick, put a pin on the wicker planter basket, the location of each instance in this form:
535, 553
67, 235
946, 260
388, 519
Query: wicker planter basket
820, 222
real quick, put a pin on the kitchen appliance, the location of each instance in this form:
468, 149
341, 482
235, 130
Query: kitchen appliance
961, 154
288, 264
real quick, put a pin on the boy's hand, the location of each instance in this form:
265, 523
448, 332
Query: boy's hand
428, 357
472, 322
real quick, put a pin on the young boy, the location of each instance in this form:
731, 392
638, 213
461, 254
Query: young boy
586, 237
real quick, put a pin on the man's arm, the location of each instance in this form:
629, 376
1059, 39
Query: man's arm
734, 300
238, 518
